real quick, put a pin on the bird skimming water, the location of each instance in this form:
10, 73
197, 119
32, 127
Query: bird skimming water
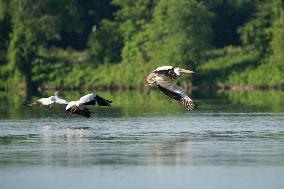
80, 106
50, 100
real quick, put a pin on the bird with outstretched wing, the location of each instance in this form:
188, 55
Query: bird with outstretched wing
164, 77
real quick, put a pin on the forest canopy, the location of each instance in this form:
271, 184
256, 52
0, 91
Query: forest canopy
91, 43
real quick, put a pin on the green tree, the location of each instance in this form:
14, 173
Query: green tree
75, 20
133, 18
31, 27
257, 32
4, 30
105, 43
179, 32
164, 32
229, 15
277, 34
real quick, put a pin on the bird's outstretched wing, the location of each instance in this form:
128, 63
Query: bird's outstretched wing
170, 93
61, 101
92, 99
178, 94
103, 102
89, 99
188, 104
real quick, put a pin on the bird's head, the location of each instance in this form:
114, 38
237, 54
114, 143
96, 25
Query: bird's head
58, 93
182, 70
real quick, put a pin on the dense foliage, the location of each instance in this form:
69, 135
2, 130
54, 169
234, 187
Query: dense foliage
95, 43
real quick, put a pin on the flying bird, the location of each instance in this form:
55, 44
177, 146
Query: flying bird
49, 101
79, 107
164, 77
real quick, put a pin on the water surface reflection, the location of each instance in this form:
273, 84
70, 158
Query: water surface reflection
144, 137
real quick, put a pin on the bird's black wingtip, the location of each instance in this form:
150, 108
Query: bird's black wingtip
103, 102
189, 105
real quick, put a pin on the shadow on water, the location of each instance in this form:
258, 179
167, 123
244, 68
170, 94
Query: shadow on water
139, 103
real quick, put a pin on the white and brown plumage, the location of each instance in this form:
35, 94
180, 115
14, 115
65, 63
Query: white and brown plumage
49, 101
80, 106
164, 77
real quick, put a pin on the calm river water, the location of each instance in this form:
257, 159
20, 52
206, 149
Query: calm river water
145, 141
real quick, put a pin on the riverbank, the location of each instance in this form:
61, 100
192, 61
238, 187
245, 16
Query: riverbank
231, 68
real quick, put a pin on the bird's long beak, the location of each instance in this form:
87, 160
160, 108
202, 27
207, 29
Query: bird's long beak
186, 71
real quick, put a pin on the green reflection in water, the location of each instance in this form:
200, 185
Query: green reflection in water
12, 139
139, 103
241, 101
127, 103
270, 101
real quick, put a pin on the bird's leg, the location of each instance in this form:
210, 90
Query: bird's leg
50, 106
148, 87
70, 114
